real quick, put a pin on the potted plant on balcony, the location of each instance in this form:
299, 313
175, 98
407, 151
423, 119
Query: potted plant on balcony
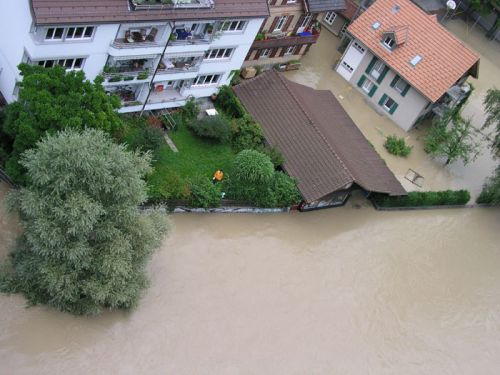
116, 78
210, 29
143, 75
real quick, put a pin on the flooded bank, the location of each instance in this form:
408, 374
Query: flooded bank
342, 291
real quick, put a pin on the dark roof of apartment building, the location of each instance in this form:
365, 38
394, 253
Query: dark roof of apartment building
315, 6
430, 58
322, 147
51, 12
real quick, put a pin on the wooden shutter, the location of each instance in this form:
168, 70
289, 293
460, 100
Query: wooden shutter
393, 108
284, 2
370, 65
247, 57
272, 2
384, 72
407, 88
273, 25
299, 22
283, 51
372, 91
257, 54
382, 99
273, 52
361, 81
394, 81
287, 23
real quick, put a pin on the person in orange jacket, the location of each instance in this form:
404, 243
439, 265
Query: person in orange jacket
218, 176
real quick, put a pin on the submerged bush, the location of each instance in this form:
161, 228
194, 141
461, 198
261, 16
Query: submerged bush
212, 127
424, 198
397, 146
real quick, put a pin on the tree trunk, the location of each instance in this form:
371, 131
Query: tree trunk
447, 161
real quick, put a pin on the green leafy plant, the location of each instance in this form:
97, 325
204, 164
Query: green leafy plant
273, 153
260, 36
190, 110
491, 189
215, 128
116, 78
229, 103
143, 75
85, 243
204, 193
246, 134
397, 146
424, 198
284, 190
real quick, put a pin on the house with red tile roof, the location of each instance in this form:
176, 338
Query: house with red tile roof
405, 62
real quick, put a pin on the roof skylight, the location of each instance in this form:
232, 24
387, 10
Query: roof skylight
376, 25
415, 60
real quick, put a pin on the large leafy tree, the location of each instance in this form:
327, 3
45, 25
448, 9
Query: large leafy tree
51, 100
452, 137
486, 8
85, 242
492, 108
491, 189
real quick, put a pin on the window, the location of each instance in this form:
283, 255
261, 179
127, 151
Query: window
264, 54
377, 69
367, 86
54, 33
219, 53
233, 25
69, 33
210, 79
400, 85
344, 28
305, 21
290, 50
330, 17
347, 66
388, 104
389, 41
83, 32
280, 23
359, 47
68, 64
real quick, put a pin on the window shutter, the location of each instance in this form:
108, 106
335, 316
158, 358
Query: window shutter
273, 52
361, 81
393, 108
287, 23
407, 88
384, 72
370, 65
284, 2
273, 25
299, 22
372, 91
283, 51
257, 54
382, 99
272, 2
394, 81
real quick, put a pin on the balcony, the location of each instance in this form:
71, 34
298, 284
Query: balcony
180, 64
197, 33
276, 40
131, 95
169, 4
119, 70
153, 36
169, 91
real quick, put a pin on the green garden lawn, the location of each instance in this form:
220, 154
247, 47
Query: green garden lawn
196, 156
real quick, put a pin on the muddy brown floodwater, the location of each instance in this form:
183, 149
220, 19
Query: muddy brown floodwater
342, 291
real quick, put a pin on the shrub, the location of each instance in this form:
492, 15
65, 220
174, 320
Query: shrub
229, 103
424, 198
212, 127
204, 193
190, 110
115, 79
246, 134
285, 190
274, 154
397, 146
491, 189
260, 36
252, 168
235, 77
138, 134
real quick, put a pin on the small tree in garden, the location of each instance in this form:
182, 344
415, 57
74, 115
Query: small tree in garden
452, 137
204, 193
397, 146
51, 100
228, 102
246, 134
215, 128
492, 108
85, 243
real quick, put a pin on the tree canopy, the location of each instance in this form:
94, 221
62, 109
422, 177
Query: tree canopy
51, 100
492, 108
85, 242
452, 137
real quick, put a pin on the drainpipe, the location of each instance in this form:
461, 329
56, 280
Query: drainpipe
172, 26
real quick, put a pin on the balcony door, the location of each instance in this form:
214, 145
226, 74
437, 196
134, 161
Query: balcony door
304, 24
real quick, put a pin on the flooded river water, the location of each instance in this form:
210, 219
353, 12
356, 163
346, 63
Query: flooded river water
343, 291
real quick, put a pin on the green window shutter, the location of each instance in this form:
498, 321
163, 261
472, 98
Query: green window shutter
393, 108
384, 72
394, 81
361, 81
382, 99
370, 65
407, 88
372, 91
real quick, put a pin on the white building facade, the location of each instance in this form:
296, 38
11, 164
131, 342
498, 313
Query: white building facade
178, 51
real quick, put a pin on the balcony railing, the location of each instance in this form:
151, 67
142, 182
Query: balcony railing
172, 65
271, 41
126, 76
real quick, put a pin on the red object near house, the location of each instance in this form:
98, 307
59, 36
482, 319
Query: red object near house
159, 88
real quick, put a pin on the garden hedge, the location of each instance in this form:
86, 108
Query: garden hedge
424, 198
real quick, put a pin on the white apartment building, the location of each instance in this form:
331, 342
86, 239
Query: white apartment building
153, 54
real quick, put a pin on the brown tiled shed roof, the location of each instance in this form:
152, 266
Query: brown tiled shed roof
350, 9
322, 147
50, 12
445, 59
